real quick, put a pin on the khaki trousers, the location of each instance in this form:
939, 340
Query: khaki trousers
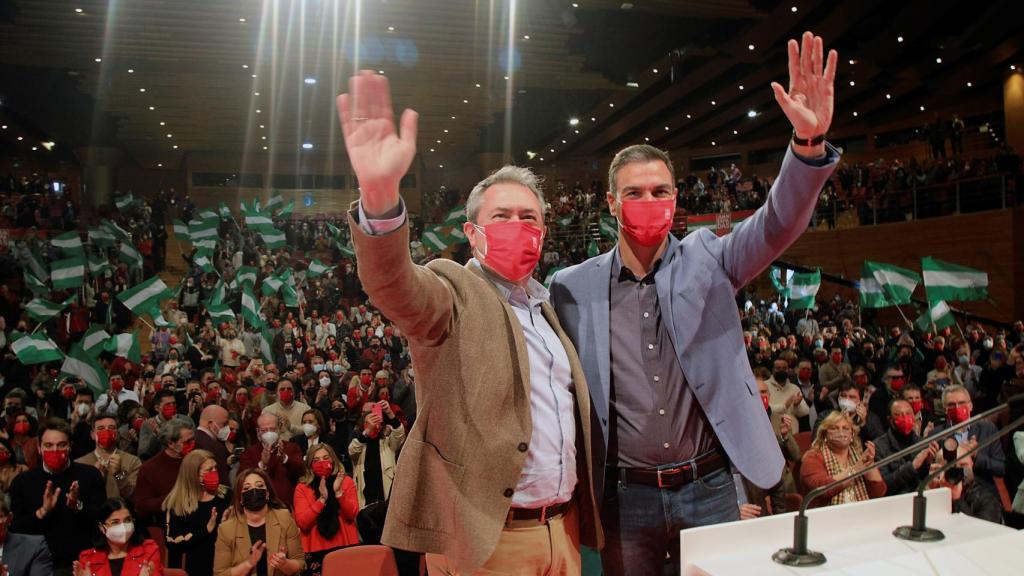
528, 548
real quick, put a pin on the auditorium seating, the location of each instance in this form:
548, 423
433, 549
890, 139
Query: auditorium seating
362, 560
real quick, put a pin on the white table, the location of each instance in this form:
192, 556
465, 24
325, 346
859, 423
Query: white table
857, 540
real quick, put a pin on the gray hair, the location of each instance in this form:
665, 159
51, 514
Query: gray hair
952, 389
506, 174
636, 153
170, 431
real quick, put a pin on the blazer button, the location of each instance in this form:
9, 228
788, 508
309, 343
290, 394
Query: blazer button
509, 492
523, 447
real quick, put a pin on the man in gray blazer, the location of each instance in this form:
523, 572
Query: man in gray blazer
22, 554
659, 336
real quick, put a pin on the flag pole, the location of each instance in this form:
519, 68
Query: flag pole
905, 317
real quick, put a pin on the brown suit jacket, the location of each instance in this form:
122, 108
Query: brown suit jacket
461, 462
233, 544
124, 488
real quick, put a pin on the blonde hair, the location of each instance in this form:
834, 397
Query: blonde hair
183, 498
308, 476
829, 422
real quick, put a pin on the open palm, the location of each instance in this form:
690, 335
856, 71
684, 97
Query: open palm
380, 155
809, 101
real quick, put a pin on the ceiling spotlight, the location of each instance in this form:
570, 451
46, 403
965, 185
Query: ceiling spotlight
246, 66
163, 123
852, 83
175, 147
922, 108
592, 119
563, 141
263, 137
713, 103
688, 117
78, 10
888, 96
241, 19
646, 139
526, 36
574, 121
131, 71
575, 5
4, 127
431, 149
20, 138
253, 75
793, 9
751, 114
440, 165
255, 93
478, 85
310, 80
735, 132
969, 84
261, 126
713, 143
152, 107
750, 47
1013, 66
611, 105
938, 60
464, 101
265, 148
666, 128
391, 28
159, 165
854, 113
438, 141
34, 148
741, 86
445, 130
142, 89
852, 61
655, 70
307, 145
506, 77
99, 59
552, 150
453, 117
170, 135
258, 111
575, 131
899, 38
541, 158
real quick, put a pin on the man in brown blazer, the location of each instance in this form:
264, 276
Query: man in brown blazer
120, 470
490, 477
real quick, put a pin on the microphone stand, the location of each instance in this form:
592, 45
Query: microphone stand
799, 555
918, 531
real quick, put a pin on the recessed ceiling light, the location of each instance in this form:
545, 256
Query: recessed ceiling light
246, 66
526, 36
99, 59
938, 60
888, 96
170, 135
899, 38
310, 80
574, 121
854, 113
741, 86
391, 28
78, 10
131, 71
253, 75
163, 123
575, 5
142, 89
751, 114
307, 145
655, 70
241, 19
380, 71
575, 131
922, 108
852, 83
152, 107
750, 47
541, 158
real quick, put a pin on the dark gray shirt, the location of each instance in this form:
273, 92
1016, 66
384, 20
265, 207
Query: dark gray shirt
656, 419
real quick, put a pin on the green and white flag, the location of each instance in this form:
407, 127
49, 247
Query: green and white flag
35, 285
458, 235
69, 244
246, 275
317, 268
551, 275
68, 273
218, 294
35, 349
937, 317
125, 201
181, 230
158, 318
871, 294
274, 239
126, 346
130, 256
258, 221
145, 296
456, 215
346, 249
435, 239
948, 281
202, 260
116, 231
563, 222
271, 285
98, 263
94, 340
203, 233
220, 312
42, 310
802, 290
101, 238
251, 308
897, 283
224, 211
80, 363
265, 340
609, 227
275, 200
208, 216
287, 210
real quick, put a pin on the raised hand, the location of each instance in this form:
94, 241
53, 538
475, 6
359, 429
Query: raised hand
256, 552
338, 482
50, 497
868, 457
808, 103
147, 569
323, 489
211, 525
72, 497
380, 156
279, 558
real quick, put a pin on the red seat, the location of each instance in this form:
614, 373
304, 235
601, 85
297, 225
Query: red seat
803, 440
158, 536
793, 502
366, 560
174, 572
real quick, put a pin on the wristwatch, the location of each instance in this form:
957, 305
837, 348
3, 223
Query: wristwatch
811, 142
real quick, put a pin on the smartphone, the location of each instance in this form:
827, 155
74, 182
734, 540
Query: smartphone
238, 450
377, 410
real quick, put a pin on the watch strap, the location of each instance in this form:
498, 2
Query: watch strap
808, 142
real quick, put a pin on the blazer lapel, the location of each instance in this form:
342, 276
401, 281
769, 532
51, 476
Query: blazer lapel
599, 351
273, 534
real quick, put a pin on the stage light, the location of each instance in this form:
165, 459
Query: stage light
922, 108
852, 83
741, 86
431, 149
666, 128
713, 143
888, 96
246, 66
438, 141
574, 121
646, 139
445, 130
131, 71
99, 60
159, 165
563, 141
307, 145
175, 147
440, 165
969, 84
751, 114
750, 47
713, 103
526, 36
78, 10
793, 9
170, 135
48, 145
152, 107
142, 89
938, 60
478, 85
255, 93
464, 101
899, 38
241, 20
735, 132
854, 113
258, 111
688, 117
611, 105
163, 123
391, 28
310, 80
592, 119
655, 70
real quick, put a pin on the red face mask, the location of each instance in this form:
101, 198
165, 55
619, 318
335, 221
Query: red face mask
187, 447
647, 222
861, 380
241, 399
365, 379
897, 384
940, 364
286, 396
68, 392
232, 435
106, 438
764, 400
116, 384
211, 481
904, 424
21, 428
958, 414
55, 460
323, 468
917, 405
169, 410
837, 358
513, 248
804, 373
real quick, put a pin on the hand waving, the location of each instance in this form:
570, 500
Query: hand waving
379, 155
809, 102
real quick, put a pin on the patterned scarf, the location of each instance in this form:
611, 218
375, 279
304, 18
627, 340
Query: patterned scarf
855, 492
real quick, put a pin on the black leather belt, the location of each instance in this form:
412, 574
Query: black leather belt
671, 477
539, 515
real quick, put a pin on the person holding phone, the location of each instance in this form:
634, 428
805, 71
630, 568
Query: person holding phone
374, 452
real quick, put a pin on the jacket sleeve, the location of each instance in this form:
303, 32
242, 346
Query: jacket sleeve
412, 296
153, 555
42, 562
224, 550
295, 466
813, 474
307, 507
784, 216
293, 543
131, 478
349, 500
147, 503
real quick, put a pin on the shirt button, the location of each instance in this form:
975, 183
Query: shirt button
509, 492
523, 447
665, 444
650, 346
662, 411
647, 314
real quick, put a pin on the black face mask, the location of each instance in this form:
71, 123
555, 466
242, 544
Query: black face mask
781, 377
254, 499
338, 413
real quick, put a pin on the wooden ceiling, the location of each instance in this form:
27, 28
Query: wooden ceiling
229, 76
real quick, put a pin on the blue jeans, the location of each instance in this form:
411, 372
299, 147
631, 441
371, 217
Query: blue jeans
642, 523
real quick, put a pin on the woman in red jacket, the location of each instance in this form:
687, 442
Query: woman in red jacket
325, 504
121, 550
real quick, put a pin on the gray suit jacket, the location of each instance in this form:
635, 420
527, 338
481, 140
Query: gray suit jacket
27, 555
696, 295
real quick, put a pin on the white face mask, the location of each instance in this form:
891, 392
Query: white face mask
223, 433
847, 405
120, 533
309, 430
325, 382
83, 409
269, 438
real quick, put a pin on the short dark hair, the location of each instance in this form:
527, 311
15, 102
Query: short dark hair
109, 507
161, 394
846, 386
57, 425
85, 392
